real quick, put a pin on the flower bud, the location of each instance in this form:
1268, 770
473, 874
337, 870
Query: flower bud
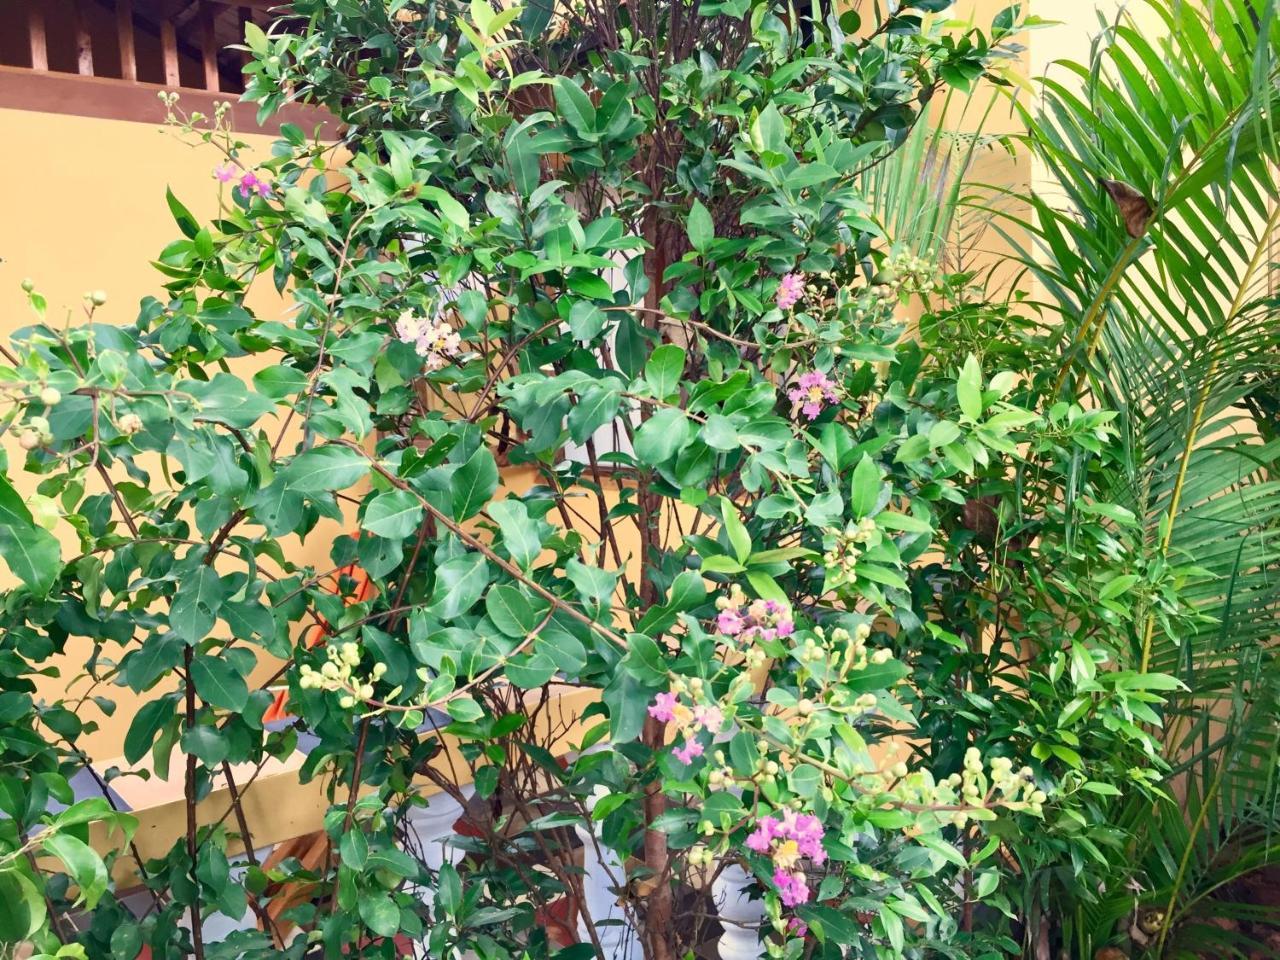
50, 396
29, 440
130, 424
28, 285
805, 707
98, 297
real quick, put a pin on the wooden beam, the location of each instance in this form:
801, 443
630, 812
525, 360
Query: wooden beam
84, 42
209, 49
110, 99
169, 46
124, 34
36, 38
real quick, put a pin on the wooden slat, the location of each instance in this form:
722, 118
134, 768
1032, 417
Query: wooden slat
124, 33
245, 16
84, 42
209, 48
169, 46
36, 37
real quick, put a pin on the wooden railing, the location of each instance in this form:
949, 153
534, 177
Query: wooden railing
110, 58
196, 31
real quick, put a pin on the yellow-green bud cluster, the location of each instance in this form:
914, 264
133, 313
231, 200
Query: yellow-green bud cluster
844, 549
338, 675
36, 434
905, 273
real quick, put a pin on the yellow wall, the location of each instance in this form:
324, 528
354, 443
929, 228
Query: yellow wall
85, 210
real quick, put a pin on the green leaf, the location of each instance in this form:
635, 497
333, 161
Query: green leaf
395, 514
988, 880
534, 17
473, 483
22, 910
219, 683
969, 388
459, 583
181, 215
865, 491
148, 722
31, 551
575, 107
354, 849
327, 468
586, 321
593, 584
597, 405
278, 381
379, 913
662, 436
739, 538
195, 605
206, 743
513, 611
700, 228
449, 206
522, 536
663, 370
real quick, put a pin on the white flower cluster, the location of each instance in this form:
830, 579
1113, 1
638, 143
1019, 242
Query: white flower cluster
338, 675
434, 340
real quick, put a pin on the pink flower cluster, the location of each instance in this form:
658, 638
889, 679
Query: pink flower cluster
690, 721
787, 840
814, 391
250, 182
757, 619
790, 290
434, 340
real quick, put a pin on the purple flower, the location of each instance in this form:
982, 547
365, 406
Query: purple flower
663, 707
225, 172
691, 749
813, 391
730, 622
797, 927
786, 628
791, 887
790, 289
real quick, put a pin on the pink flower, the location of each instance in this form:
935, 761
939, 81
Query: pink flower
790, 289
814, 391
761, 839
691, 749
729, 622
797, 927
786, 628
711, 718
663, 707
250, 183
806, 830
791, 887
225, 172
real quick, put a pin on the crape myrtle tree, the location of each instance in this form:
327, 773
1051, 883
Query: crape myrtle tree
624, 249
